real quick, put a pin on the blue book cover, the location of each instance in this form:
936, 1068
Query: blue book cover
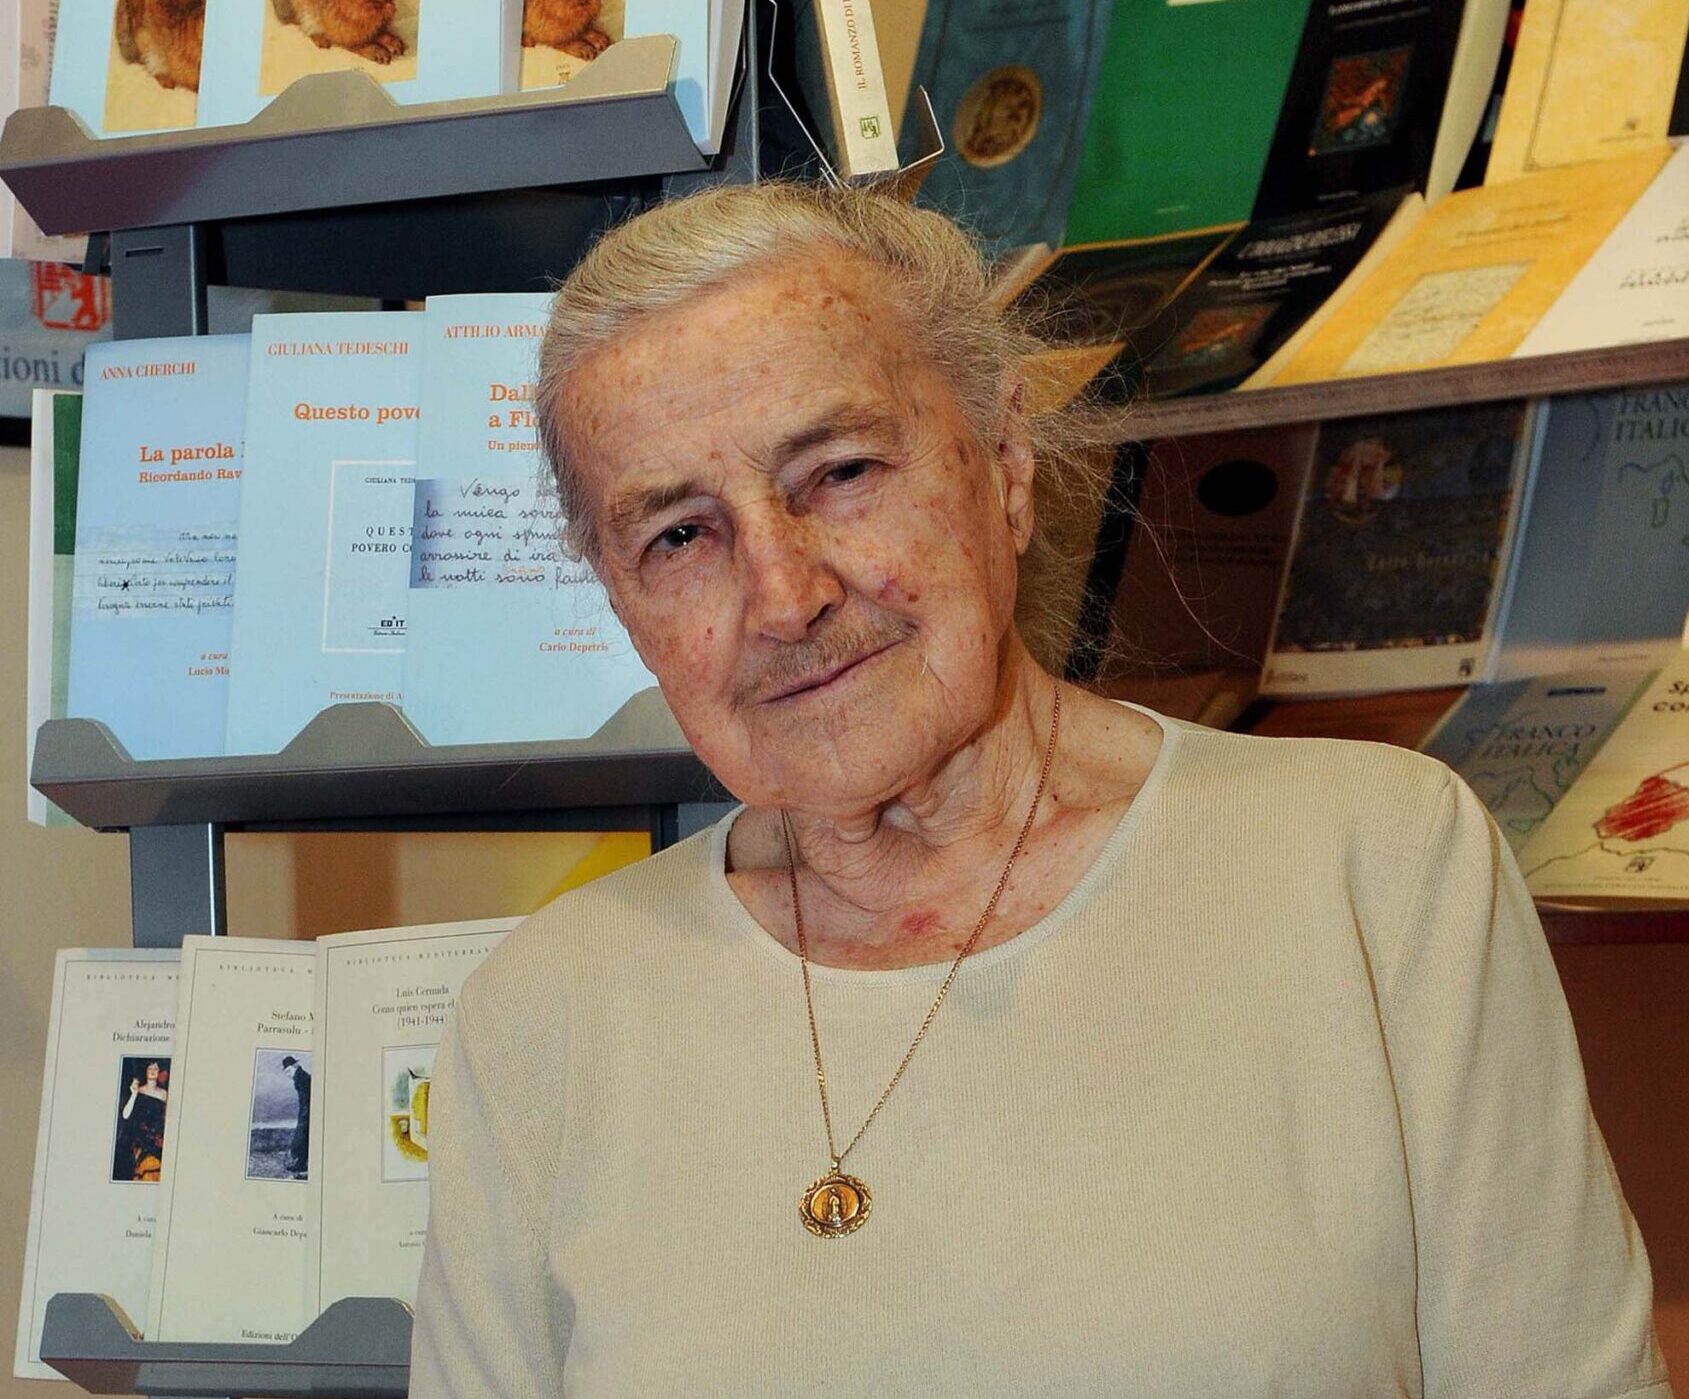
509, 640
158, 502
418, 50
332, 419
1603, 572
1011, 87
1520, 744
127, 68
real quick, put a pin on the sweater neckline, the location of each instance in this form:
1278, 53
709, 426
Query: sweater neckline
1113, 850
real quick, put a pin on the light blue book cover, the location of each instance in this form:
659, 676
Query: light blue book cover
158, 501
332, 420
509, 640
1603, 569
418, 50
125, 69
1520, 744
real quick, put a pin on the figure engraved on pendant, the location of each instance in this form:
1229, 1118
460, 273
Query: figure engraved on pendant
834, 1205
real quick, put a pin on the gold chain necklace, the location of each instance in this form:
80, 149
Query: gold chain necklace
837, 1204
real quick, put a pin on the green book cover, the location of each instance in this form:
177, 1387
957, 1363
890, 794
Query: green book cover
1184, 112
67, 456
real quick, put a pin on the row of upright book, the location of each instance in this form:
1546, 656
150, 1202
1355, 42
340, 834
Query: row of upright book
235, 1135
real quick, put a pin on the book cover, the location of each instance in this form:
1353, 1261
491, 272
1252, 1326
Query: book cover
1165, 147
418, 50
838, 59
128, 66
1620, 836
1635, 288
1011, 85
1520, 744
1478, 56
487, 575
1208, 546
332, 421
1603, 567
1591, 79
1477, 273
382, 1000
231, 1249
102, 1140
1400, 557
26, 49
1255, 294
156, 530
1363, 104
55, 442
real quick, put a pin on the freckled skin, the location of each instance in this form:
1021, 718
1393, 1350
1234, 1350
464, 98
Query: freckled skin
875, 566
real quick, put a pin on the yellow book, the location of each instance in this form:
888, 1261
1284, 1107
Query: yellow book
1590, 79
1482, 267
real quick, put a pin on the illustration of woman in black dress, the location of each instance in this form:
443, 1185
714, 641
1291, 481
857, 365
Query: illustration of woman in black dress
139, 1153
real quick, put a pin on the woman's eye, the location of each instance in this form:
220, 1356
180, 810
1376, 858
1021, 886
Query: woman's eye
846, 471
675, 538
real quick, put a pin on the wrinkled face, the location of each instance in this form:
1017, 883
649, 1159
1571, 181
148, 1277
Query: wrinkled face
809, 547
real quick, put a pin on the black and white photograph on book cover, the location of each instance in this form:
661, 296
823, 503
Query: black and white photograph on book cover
406, 1072
138, 1133
378, 37
152, 73
278, 1135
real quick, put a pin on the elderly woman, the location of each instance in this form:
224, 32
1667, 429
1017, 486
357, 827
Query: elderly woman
1006, 1040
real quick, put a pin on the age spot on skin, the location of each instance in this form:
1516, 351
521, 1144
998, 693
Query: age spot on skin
921, 923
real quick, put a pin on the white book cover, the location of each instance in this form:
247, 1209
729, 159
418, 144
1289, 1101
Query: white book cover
1635, 288
382, 1000
864, 139
1403, 560
38, 696
1620, 836
93, 1205
232, 1246
26, 50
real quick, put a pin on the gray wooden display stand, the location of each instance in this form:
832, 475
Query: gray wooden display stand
479, 195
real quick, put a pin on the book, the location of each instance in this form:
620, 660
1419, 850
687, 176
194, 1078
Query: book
838, 62
26, 50
1209, 538
1232, 317
156, 530
382, 1000
1476, 274
1603, 556
418, 50
231, 1249
1635, 287
1011, 88
1620, 836
55, 442
1401, 717
1164, 150
333, 406
101, 1143
1365, 101
1591, 80
487, 574
1400, 563
128, 67
1520, 744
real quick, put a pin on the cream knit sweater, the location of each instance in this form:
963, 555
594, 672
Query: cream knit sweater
1282, 1099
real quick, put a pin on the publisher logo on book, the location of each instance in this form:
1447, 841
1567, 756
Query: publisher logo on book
389, 627
64, 299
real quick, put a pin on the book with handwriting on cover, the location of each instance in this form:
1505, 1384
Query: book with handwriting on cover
382, 1000
1635, 288
333, 410
1620, 837
509, 640
128, 67
1477, 272
418, 50
156, 529
1400, 565
1603, 560
231, 1249
1520, 744
1591, 79
102, 1140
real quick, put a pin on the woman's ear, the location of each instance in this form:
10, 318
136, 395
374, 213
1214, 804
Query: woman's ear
1013, 461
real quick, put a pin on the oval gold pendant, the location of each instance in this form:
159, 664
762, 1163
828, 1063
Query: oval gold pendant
834, 1206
